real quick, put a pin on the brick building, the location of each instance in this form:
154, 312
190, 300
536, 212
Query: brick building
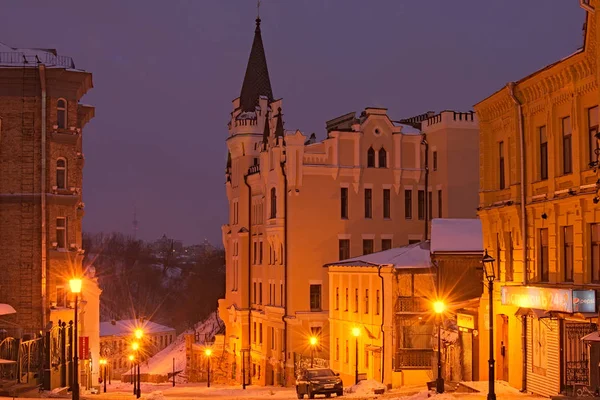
41, 208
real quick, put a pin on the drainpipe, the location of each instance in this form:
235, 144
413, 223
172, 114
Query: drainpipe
426, 205
511, 91
381, 327
249, 274
285, 266
42, 72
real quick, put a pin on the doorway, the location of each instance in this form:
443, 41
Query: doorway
502, 348
377, 365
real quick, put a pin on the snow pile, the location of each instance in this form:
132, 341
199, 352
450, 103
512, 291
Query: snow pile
162, 362
365, 387
158, 395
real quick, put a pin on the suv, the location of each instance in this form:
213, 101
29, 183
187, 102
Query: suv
314, 381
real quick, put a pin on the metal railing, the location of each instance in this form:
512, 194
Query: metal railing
413, 359
49, 59
413, 305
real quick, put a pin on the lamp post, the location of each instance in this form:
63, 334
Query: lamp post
138, 333
75, 285
208, 353
131, 358
490, 275
356, 334
135, 346
313, 343
103, 364
439, 307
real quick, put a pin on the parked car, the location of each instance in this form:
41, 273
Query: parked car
314, 381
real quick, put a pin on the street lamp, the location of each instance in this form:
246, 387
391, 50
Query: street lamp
75, 285
138, 333
439, 307
490, 275
135, 346
103, 364
356, 334
313, 343
131, 358
208, 353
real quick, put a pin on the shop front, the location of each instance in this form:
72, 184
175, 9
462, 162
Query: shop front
557, 345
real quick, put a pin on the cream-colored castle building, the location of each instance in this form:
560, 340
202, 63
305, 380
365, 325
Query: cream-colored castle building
296, 203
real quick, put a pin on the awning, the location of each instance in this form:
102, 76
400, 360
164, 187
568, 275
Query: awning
6, 309
592, 337
534, 312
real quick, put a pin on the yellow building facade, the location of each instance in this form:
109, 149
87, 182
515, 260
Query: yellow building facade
538, 205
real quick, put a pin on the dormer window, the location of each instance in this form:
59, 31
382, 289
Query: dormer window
371, 158
61, 173
61, 114
382, 158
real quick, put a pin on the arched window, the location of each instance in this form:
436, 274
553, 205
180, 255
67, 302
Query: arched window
273, 202
371, 158
382, 158
61, 173
61, 114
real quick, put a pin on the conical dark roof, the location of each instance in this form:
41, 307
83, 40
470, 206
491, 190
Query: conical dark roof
279, 132
256, 81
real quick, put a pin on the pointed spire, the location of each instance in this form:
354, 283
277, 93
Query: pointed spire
266, 131
256, 81
279, 127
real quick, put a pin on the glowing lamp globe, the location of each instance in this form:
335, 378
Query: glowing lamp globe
75, 285
439, 307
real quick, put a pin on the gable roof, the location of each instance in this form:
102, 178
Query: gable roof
256, 80
414, 255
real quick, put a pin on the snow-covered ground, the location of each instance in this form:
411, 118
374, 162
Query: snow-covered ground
162, 362
124, 391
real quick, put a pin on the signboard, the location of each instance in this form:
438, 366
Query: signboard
537, 297
84, 347
584, 301
465, 321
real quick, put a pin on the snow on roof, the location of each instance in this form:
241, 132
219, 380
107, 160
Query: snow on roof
456, 235
127, 326
414, 255
17, 57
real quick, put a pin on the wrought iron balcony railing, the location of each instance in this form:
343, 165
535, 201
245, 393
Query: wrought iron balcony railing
413, 359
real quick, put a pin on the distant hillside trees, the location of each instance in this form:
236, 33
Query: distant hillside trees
173, 285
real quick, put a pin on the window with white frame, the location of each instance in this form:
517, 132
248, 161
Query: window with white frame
61, 233
61, 173
61, 113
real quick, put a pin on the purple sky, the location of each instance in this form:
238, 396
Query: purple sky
165, 73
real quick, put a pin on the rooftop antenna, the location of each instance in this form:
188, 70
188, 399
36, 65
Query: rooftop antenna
258, 9
135, 223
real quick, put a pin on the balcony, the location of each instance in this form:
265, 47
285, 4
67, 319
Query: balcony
413, 359
413, 305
